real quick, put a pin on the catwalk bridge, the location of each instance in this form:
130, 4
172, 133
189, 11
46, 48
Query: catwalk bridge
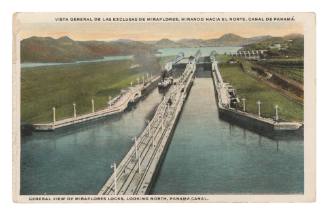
136, 172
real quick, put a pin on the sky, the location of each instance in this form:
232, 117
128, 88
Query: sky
146, 31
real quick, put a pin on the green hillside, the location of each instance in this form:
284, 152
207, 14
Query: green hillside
291, 46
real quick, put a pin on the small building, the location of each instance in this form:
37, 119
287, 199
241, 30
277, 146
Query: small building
232, 61
276, 46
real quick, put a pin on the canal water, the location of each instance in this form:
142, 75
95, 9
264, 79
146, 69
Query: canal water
164, 52
192, 50
206, 155
77, 160
210, 156
104, 59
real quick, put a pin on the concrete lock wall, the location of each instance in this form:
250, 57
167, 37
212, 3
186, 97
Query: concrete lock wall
245, 121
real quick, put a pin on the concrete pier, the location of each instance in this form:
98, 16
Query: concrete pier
238, 116
116, 105
136, 172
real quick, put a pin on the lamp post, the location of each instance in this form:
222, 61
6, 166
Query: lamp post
243, 100
109, 101
54, 115
259, 111
92, 101
276, 112
74, 106
148, 126
152, 140
137, 155
162, 124
113, 166
150, 134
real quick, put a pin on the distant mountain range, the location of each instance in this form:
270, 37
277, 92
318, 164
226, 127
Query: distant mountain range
64, 49
225, 40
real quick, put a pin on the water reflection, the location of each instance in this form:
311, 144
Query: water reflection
259, 137
76, 160
208, 155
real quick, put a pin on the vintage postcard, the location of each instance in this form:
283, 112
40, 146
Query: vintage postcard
164, 107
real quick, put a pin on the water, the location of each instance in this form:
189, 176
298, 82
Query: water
208, 156
77, 160
107, 58
191, 51
162, 53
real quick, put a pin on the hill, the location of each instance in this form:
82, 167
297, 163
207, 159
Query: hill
64, 49
229, 39
291, 45
192, 42
166, 43
234, 40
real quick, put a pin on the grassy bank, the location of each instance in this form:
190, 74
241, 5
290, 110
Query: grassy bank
59, 86
290, 68
221, 58
253, 90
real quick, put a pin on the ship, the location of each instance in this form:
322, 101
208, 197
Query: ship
166, 83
